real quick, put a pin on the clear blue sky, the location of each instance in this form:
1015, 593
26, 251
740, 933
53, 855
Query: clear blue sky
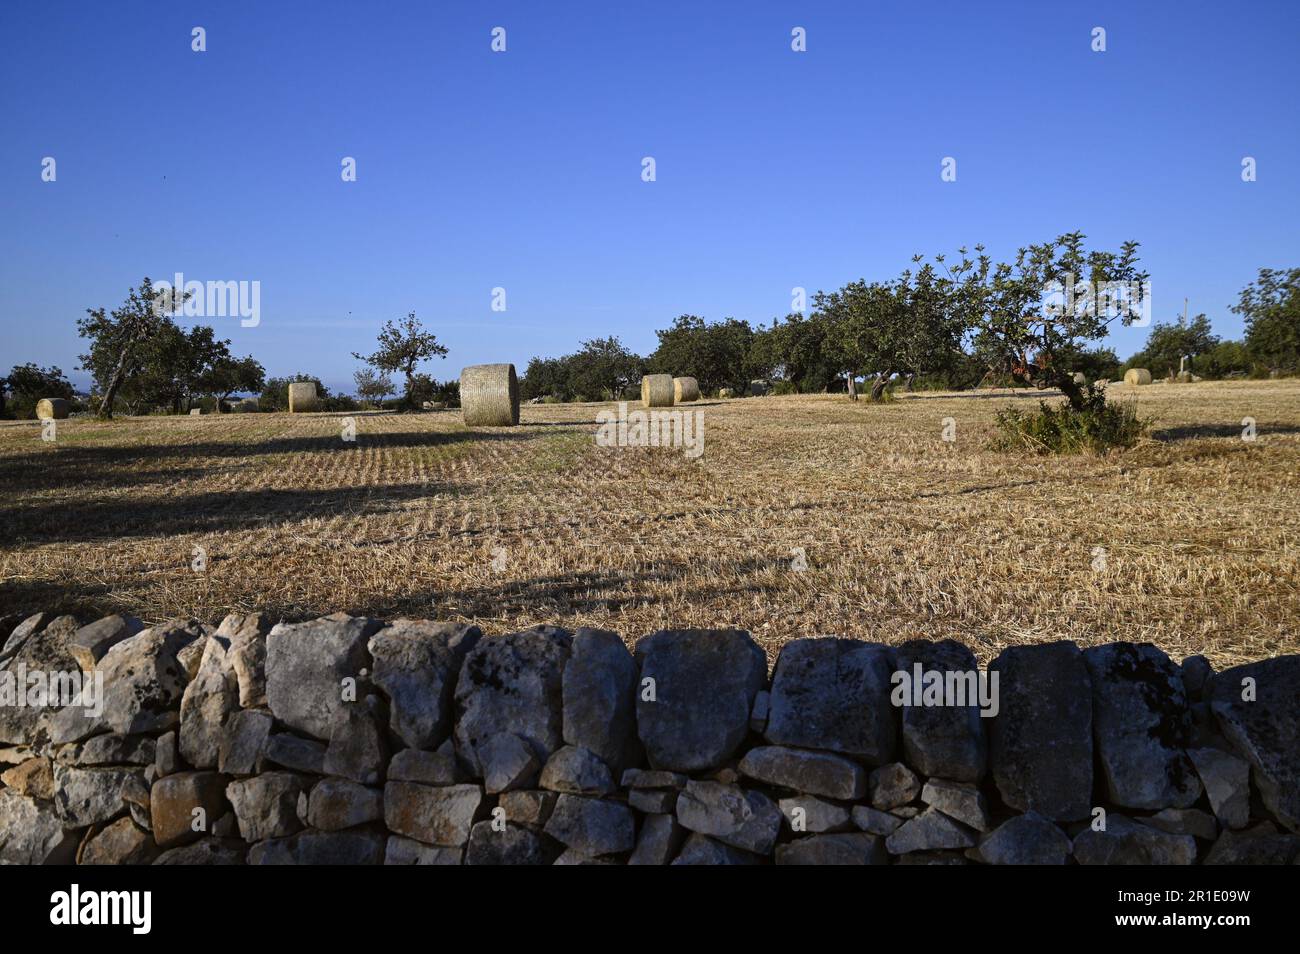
523, 169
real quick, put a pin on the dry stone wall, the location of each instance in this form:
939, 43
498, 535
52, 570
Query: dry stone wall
357, 741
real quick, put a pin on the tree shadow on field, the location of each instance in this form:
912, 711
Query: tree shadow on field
553, 596
33, 523
1190, 432
53, 466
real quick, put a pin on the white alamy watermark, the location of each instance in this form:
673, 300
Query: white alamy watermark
1129, 301
213, 299
654, 428
21, 688
75, 906
935, 688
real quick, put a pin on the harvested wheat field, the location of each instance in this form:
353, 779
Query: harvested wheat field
804, 515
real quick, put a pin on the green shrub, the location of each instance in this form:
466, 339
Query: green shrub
1097, 428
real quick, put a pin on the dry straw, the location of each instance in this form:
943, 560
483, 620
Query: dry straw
489, 395
685, 389
657, 390
1137, 376
303, 397
51, 409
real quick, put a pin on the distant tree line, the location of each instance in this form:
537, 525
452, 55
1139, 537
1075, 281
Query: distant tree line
938, 324
951, 325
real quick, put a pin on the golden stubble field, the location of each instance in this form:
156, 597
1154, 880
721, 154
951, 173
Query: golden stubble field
1190, 541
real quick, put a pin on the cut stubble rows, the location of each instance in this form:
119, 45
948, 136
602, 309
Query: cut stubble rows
1188, 541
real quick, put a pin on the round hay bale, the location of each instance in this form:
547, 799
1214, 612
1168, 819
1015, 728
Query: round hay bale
246, 406
1136, 376
685, 389
1080, 378
303, 397
759, 388
725, 392
657, 390
489, 395
51, 409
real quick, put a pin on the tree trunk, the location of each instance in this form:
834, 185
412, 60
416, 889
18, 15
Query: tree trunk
853, 391
114, 382
911, 376
878, 386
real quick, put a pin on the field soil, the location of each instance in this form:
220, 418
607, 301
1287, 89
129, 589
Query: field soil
805, 515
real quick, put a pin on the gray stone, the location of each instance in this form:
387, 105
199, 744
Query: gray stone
227, 826
512, 685
506, 761
929, 831
758, 714
1196, 672
89, 643
1125, 842
407, 851
592, 826
247, 636
572, 857
306, 665
948, 741
577, 771
210, 699
338, 803
857, 848
653, 801
834, 694
357, 846
32, 833
184, 805
650, 778
357, 748
1266, 731
814, 773
1040, 743
1256, 846
115, 749
892, 785
265, 805
1227, 783
1184, 821
702, 850
659, 841
302, 755
429, 768
121, 843
417, 664
1141, 725
166, 756
960, 801
529, 808
436, 816
21, 633
599, 692
244, 741
704, 683
144, 679
875, 822
207, 851
43, 650
743, 819
1028, 839
806, 813
934, 858
191, 654
511, 846
91, 796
